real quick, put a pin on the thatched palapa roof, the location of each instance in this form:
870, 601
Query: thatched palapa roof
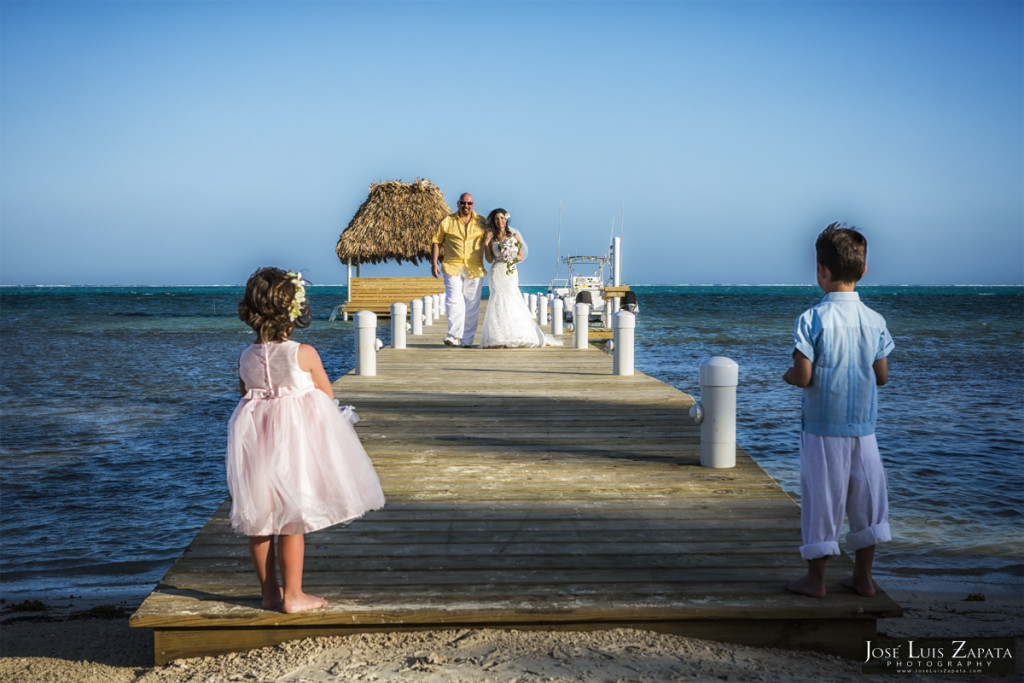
397, 221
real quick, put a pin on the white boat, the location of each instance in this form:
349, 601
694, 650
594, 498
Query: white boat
586, 283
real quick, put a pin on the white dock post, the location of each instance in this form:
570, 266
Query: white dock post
624, 324
416, 306
556, 315
542, 311
581, 325
398, 325
716, 412
533, 305
437, 306
366, 337
428, 310
607, 314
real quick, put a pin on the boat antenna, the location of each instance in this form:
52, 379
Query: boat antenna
558, 239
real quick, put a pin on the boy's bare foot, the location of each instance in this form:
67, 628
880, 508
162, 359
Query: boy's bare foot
806, 586
303, 603
867, 589
272, 597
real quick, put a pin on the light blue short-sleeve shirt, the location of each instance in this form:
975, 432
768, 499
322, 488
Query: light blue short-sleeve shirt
842, 338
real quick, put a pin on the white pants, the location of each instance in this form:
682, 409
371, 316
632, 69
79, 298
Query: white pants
837, 474
462, 305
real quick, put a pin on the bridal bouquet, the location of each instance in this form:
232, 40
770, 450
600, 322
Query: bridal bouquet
509, 249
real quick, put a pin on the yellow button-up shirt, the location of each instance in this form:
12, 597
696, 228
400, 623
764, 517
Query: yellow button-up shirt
463, 244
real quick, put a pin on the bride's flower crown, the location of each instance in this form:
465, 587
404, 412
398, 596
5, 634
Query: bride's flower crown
295, 308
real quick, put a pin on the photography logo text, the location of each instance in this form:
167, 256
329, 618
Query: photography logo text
940, 656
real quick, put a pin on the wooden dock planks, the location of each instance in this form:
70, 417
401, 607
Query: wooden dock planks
527, 488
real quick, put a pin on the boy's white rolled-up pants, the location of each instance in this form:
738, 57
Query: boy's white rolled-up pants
462, 305
841, 474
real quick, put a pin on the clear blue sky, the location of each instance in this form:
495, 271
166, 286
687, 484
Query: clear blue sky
191, 142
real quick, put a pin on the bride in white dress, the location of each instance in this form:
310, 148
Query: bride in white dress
508, 322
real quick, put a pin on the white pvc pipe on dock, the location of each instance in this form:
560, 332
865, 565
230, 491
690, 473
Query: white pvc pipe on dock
428, 310
581, 325
366, 336
556, 316
416, 306
716, 412
398, 325
623, 329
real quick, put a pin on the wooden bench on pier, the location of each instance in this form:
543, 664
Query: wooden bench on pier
376, 294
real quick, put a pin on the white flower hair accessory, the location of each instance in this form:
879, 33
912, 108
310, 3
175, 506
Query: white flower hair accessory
295, 309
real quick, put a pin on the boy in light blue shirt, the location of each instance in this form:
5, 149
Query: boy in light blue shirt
839, 359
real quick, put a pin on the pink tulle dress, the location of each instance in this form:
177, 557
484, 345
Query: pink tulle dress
294, 462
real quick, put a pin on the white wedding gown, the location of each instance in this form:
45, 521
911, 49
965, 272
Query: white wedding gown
508, 322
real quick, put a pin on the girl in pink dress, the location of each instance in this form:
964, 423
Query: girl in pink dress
294, 462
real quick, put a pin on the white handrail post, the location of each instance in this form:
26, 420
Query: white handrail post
416, 306
398, 325
366, 336
624, 324
556, 316
716, 412
581, 325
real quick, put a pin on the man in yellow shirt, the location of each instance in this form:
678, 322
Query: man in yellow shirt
462, 236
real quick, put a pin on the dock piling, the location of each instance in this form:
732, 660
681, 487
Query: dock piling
398, 325
624, 325
366, 337
416, 306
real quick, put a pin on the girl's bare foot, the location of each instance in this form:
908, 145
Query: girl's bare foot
302, 603
867, 589
272, 597
806, 586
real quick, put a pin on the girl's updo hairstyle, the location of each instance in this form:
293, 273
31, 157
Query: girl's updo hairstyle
268, 302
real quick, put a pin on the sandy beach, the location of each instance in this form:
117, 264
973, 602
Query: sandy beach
79, 644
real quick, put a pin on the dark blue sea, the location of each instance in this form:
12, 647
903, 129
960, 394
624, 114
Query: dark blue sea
115, 403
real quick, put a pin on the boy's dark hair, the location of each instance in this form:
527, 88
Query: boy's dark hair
265, 305
843, 250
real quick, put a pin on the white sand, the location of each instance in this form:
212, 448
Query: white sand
85, 650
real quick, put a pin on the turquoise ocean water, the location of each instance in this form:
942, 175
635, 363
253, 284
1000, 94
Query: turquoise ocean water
115, 403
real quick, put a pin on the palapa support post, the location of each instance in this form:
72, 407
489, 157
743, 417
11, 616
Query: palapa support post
366, 338
581, 325
416, 306
398, 325
716, 412
556, 315
623, 325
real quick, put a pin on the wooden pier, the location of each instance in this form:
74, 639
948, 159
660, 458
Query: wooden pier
528, 489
